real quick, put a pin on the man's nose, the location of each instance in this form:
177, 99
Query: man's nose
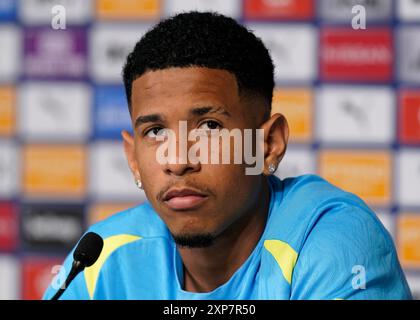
178, 163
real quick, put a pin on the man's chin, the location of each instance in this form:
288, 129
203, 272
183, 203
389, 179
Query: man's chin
197, 240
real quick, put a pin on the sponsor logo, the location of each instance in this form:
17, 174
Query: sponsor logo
55, 54
9, 278
8, 10
296, 162
297, 106
37, 276
408, 235
9, 169
365, 173
110, 177
10, 44
408, 173
111, 112
279, 9
351, 114
109, 47
128, 9
409, 54
292, 48
51, 112
54, 171
51, 227
8, 226
7, 111
409, 116
355, 55
408, 10
101, 211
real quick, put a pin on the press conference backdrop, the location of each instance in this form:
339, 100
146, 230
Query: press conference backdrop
352, 99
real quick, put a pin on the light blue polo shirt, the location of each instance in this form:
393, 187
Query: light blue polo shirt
319, 243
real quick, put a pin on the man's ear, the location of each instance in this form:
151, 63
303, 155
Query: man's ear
130, 154
276, 136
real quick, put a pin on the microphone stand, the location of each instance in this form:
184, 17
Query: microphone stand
76, 268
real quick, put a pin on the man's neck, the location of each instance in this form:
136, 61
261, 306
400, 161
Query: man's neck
205, 269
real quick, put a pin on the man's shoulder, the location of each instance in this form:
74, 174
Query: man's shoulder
304, 203
311, 190
317, 226
304, 197
140, 221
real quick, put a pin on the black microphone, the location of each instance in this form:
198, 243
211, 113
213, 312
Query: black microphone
85, 255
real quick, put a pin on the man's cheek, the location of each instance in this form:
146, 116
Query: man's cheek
147, 162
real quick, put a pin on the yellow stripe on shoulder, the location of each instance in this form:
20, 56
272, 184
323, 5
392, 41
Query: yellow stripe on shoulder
284, 255
110, 245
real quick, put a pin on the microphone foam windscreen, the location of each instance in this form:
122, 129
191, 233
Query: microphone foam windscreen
88, 249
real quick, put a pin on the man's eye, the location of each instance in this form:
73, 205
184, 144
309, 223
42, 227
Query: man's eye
210, 125
154, 132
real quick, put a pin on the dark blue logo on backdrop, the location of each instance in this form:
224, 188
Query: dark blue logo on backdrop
7, 10
50, 226
111, 112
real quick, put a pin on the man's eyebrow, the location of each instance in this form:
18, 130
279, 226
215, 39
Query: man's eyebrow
148, 118
200, 111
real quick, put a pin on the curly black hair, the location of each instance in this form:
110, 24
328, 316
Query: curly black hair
204, 39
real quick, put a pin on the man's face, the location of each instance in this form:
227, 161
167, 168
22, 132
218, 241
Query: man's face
172, 95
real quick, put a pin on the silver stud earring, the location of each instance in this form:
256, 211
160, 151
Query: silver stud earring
139, 184
271, 168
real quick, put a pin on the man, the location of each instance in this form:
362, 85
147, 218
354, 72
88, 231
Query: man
210, 230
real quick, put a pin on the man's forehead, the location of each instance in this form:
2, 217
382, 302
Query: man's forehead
184, 87
192, 79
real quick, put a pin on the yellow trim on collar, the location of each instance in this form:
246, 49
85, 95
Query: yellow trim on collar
110, 245
285, 256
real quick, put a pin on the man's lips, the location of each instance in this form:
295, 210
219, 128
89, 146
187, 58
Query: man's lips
182, 199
